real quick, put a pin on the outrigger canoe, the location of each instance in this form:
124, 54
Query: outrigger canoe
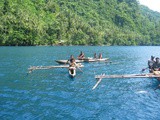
32, 68
66, 61
155, 74
72, 71
84, 60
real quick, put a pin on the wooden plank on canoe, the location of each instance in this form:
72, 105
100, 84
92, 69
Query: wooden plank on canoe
32, 68
99, 80
150, 75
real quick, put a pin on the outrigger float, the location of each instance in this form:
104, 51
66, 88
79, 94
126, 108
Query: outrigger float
155, 74
32, 68
84, 60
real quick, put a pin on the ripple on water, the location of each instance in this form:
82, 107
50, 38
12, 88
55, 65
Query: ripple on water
1, 74
52, 94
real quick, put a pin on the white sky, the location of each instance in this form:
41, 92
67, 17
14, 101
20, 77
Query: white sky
152, 4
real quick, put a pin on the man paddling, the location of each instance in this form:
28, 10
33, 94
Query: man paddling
81, 56
72, 66
72, 59
150, 63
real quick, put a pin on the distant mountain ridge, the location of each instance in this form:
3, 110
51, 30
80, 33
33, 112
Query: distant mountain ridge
78, 22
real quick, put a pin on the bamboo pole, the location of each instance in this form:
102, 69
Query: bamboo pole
150, 75
32, 68
99, 80
100, 77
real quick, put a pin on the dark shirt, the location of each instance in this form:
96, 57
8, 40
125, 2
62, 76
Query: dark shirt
156, 65
72, 60
150, 64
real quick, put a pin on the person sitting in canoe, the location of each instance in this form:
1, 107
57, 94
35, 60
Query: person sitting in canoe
95, 56
100, 56
72, 59
72, 66
150, 63
81, 56
156, 65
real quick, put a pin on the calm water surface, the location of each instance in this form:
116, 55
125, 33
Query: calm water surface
52, 94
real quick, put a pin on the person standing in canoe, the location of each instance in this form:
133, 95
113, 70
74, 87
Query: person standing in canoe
150, 63
81, 56
100, 56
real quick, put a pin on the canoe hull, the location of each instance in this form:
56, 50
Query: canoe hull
95, 60
83, 60
66, 61
72, 71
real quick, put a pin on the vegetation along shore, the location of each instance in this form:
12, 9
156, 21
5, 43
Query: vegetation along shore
81, 22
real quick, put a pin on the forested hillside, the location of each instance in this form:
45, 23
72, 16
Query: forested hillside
78, 22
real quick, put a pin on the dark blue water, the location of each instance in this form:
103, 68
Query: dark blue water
52, 94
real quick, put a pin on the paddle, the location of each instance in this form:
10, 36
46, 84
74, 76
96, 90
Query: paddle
79, 68
144, 69
158, 87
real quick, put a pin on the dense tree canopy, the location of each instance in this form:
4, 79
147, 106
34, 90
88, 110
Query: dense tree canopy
78, 22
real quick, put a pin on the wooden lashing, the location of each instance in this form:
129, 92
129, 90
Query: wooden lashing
99, 80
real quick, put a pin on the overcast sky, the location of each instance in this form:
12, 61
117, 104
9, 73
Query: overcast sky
152, 4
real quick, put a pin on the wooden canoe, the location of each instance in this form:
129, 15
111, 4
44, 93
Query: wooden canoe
95, 60
84, 60
149, 75
72, 71
66, 61
32, 68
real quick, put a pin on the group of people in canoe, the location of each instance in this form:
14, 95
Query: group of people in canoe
82, 56
154, 64
100, 56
